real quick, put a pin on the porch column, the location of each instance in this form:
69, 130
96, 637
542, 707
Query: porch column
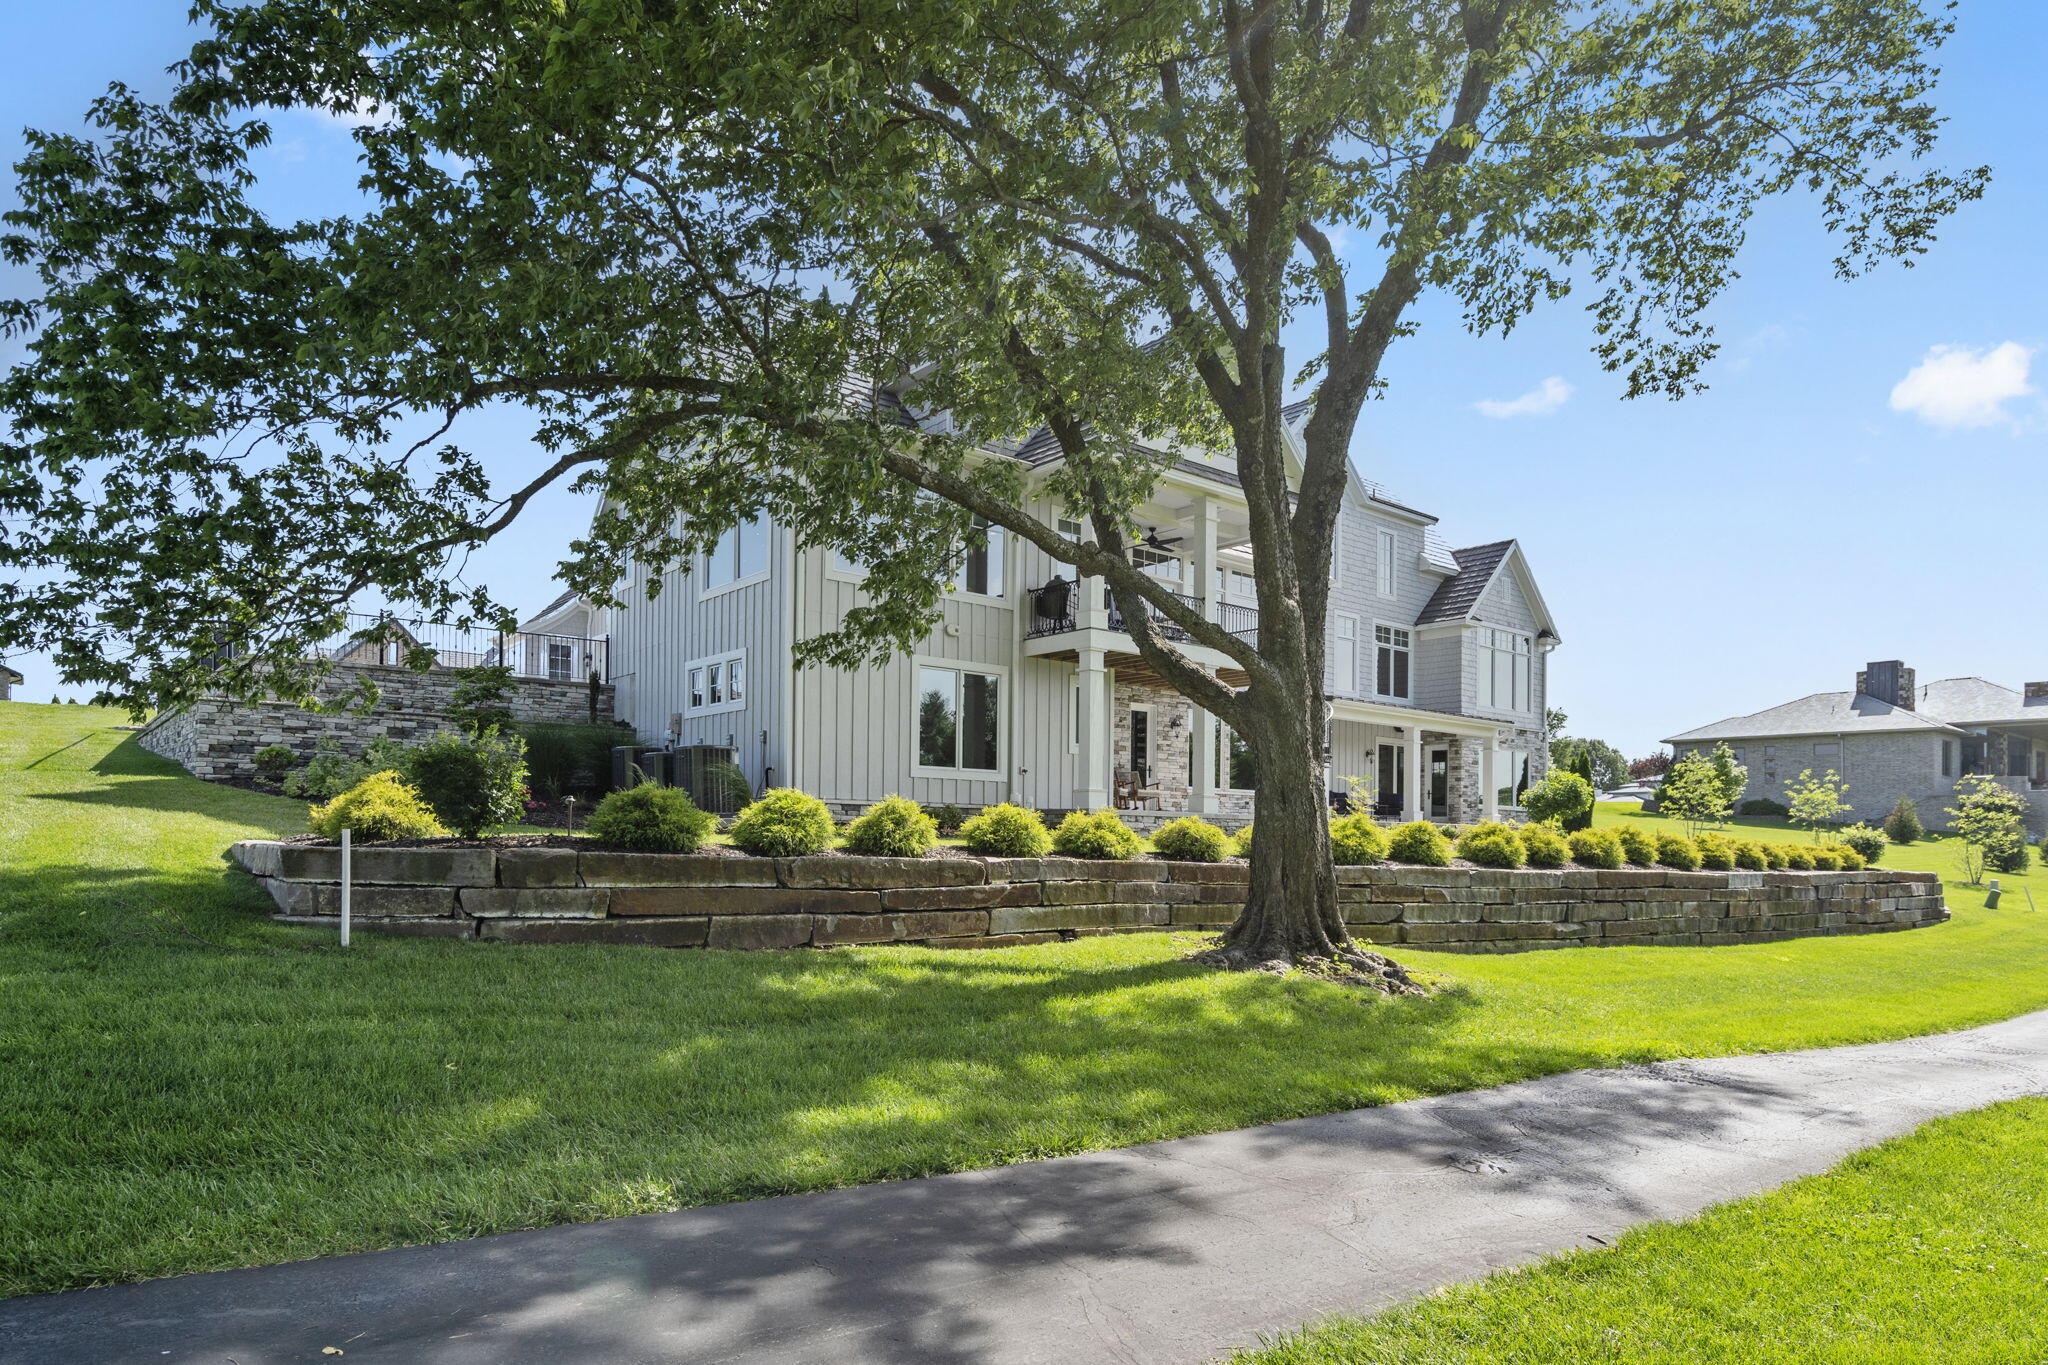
1091, 788
1489, 778
1202, 762
1205, 515
1418, 795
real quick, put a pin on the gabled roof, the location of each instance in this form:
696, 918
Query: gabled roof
1457, 596
1823, 713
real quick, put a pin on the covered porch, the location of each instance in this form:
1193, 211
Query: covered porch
1407, 763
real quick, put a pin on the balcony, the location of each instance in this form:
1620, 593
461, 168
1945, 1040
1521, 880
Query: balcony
1056, 609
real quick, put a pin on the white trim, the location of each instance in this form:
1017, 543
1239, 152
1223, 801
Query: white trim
829, 555
1349, 685
1386, 563
1004, 700
702, 573
1409, 649
706, 663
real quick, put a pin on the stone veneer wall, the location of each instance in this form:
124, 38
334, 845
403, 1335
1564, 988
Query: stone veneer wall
214, 738
569, 895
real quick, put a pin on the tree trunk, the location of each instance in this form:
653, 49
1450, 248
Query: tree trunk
1291, 915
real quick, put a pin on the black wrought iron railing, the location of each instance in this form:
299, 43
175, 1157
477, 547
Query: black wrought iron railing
373, 641
1055, 608
1158, 617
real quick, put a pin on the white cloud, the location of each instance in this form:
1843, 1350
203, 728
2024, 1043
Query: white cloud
359, 113
1546, 397
1958, 388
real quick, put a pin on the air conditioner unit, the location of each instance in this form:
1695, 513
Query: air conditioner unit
710, 774
633, 764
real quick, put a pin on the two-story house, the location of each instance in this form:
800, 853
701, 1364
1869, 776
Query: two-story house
1030, 689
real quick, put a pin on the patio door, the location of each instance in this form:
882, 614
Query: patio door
1440, 784
1393, 775
1141, 744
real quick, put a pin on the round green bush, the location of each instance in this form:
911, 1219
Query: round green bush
1491, 844
1356, 839
1558, 797
1852, 861
1717, 852
1638, 847
1596, 848
1681, 853
1189, 840
1243, 842
1869, 841
1765, 807
274, 761
650, 818
784, 823
1095, 834
1545, 845
894, 827
1826, 859
1775, 856
1903, 825
473, 781
1007, 831
1798, 859
1750, 854
380, 806
1418, 842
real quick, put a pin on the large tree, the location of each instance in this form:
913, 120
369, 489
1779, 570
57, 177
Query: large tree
693, 240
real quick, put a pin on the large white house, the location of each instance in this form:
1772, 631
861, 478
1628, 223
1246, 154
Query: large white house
1030, 689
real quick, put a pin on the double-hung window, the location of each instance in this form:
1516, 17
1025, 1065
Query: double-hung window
1344, 655
741, 554
561, 661
1504, 658
959, 720
716, 684
1391, 668
982, 574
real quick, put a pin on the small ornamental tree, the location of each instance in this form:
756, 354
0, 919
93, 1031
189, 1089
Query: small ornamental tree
1903, 825
1656, 765
1991, 820
482, 698
1135, 225
1695, 792
1817, 802
1732, 776
1564, 797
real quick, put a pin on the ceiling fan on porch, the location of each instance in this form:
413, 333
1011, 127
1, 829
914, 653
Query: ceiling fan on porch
1153, 540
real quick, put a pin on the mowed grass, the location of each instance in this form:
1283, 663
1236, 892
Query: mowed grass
186, 1086
1931, 1247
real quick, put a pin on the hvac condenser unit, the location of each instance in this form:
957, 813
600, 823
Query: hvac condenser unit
710, 773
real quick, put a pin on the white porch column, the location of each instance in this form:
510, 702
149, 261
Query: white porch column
1091, 788
1205, 514
1418, 795
1202, 762
1489, 777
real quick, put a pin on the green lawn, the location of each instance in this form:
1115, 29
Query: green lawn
1932, 1247
255, 1094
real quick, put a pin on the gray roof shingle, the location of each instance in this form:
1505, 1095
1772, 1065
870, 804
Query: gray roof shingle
1823, 713
1456, 596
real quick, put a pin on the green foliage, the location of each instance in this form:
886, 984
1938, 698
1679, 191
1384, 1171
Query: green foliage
1681, 853
948, 816
379, 807
1764, 807
1418, 842
473, 781
1356, 838
1868, 841
1798, 857
274, 761
482, 698
1597, 848
1639, 847
1695, 792
1818, 802
327, 774
2014, 857
784, 823
726, 786
1599, 762
1007, 831
1903, 825
1733, 777
1776, 856
1826, 858
1991, 819
893, 827
650, 818
1243, 842
1191, 840
1717, 851
1560, 797
1546, 846
570, 756
1095, 834
1750, 854
1492, 844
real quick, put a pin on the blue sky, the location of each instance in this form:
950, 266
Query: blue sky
1863, 480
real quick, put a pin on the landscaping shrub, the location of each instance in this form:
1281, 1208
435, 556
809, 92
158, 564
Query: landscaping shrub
482, 698
1826, 859
2014, 857
472, 781
949, 818
1717, 851
1491, 844
650, 818
1243, 840
1095, 834
274, 761
1191, 840
1545, 845
894, 827
380, 806
1418, 842
1765, 807
1798, 859
1776, 856
1903, 825
784, 823
1356, 839
1639, 848
1750, 854
1852, 861
1867, 840
327, 774
1007, 831
566, 756
1677, 851
1597, 848
1559, 797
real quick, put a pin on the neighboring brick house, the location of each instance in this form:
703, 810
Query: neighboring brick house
1031, 690
1891, 737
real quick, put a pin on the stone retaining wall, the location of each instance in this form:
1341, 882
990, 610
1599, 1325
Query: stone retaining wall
214, 738
568, 895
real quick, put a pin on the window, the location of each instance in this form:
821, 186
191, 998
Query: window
1141, 743
983, 572
1232, 583
1390, 674
1160, 564
741, 554
842, 564
1517, 769
1948, 758
958, 720
1336, 554
1826, 750
1504, 669
1386, 564
716, 684
561, 661
1233, 760
1344, 655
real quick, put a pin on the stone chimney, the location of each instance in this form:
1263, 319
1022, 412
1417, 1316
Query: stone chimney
1890, 681
2037, 694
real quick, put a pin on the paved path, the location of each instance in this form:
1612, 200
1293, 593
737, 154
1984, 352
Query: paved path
1173, 1252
